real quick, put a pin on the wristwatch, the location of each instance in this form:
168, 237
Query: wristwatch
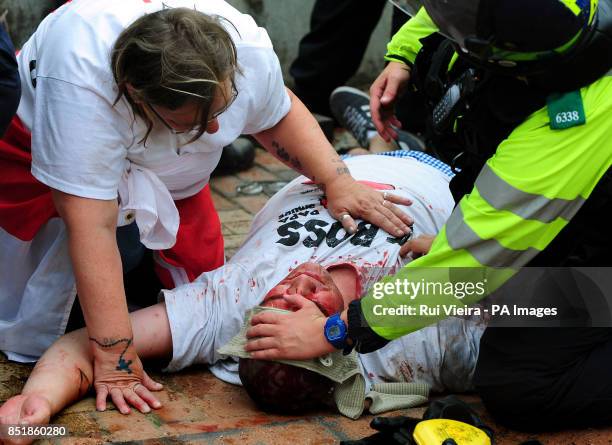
335, 331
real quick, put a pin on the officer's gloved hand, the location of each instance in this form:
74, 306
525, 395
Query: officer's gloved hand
395, 430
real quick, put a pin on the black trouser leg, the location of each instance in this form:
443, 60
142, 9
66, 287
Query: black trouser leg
332, 51
546, 378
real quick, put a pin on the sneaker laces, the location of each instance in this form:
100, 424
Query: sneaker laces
359, 122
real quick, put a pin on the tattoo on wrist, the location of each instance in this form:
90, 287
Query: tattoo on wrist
110, 342
284, 155
342, 169
122, 364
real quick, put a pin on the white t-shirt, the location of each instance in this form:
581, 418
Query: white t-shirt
294, 228
82, 144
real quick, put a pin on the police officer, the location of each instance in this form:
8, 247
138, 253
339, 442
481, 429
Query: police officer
517, 96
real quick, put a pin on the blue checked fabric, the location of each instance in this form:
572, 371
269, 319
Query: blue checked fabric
419, 156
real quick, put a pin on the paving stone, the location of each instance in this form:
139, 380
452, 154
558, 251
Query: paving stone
221, 203
237, 227
344, 140
252, 203
290, 432
229, 253
234, 215
226, 231
288, 175
72, 441
12, 378
233, 241
226, 185
84, 425
256, 173
86, 405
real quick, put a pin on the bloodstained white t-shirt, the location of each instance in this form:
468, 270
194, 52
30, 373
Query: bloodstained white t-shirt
293, 228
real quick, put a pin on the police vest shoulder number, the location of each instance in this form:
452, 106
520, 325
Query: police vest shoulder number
565, 110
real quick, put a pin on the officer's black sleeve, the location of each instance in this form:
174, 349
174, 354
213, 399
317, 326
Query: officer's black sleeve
364, 339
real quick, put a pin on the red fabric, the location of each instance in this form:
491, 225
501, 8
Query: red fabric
199, 242
25, 203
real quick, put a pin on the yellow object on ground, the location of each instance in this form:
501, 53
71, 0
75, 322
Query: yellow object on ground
436, 431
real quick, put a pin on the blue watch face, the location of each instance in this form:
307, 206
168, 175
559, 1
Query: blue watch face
334, 332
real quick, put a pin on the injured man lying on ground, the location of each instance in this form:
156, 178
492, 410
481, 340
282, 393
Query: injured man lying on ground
294, 246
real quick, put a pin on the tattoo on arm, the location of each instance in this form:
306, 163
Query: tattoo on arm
84, 384
122, 364
341, 168
282, 153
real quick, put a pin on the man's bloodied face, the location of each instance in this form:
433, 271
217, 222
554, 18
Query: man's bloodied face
311, 281
283, 388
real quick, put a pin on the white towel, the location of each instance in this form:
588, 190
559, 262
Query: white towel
145, 198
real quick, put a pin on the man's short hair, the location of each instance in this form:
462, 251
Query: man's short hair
280, 388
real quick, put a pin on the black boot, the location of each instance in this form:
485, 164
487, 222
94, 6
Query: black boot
236, 157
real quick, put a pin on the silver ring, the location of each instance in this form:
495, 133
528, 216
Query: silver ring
384, 203
344, 216
384, 196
